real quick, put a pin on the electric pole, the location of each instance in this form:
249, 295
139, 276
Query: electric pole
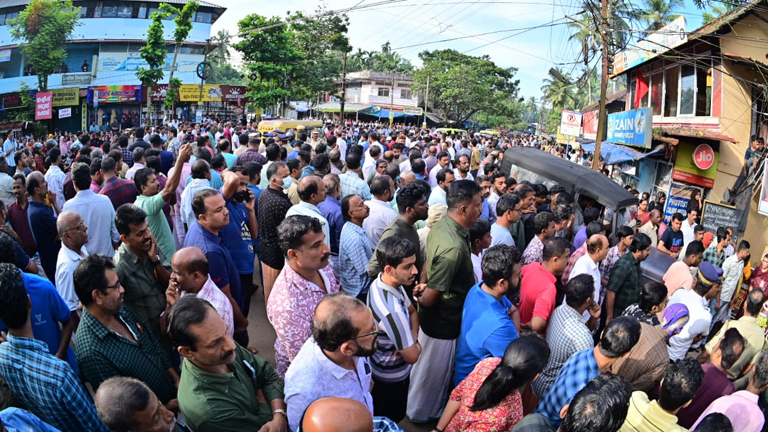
343, 88
202, 80
392, 99
601, 115
426, 103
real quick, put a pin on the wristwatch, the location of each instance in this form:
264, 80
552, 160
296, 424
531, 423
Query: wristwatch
279, 411
156, 261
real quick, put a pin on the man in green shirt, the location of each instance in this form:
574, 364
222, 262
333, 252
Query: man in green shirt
624, 284
450, 275
152, 200
222, 382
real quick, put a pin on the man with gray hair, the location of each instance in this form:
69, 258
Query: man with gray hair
74, 235
127, 404
651, 228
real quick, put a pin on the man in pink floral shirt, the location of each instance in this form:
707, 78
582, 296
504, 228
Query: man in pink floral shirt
306, 278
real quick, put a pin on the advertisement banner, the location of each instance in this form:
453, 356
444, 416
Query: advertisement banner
43, 106
563, 139
233, 94
633, 128
686, 169
191, 93
589, 125
5, 55
76, 79
678, 197
669, 36
83, 115
159, 92
114, 94
570, 123
66, 97
65, 113
130, 62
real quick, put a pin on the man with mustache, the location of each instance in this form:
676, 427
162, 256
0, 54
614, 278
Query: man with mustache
111, 341
306, 278
223, 387
332, 361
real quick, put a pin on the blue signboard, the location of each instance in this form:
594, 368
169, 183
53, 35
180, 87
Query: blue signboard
633, 128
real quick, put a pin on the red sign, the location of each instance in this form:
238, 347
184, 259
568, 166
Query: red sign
704, 156
232, 94
693, 178
159, 92
44, 106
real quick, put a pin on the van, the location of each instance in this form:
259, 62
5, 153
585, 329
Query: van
266, 126
451, 131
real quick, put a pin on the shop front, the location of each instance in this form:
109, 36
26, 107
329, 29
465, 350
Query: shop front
66, 109
114, 108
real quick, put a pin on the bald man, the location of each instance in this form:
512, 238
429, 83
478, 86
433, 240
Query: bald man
311, 191
651, 228
589, 264
333, 414
74, 235
190, 276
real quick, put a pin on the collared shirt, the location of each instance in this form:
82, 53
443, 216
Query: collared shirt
222, 271
576, 373
354, 253
99, 216
213, 295
698, 322
47, 386
390, 311
606, 265
752, 334
132, 172
537, 293
226, 402
486, 331
127, 156
119, 191
331, 210
380, 217
103, 354
732, 272
642, 316
55, 178
290, 308
43, 224
533, 423
578, 253
313, 375
399, 228
17, 217
158, 224
742, 410
647, 361
534, 252
569, 335
143, 293
352, 184
272, 207
450, 271
715, 385
625, 282
194, 186
252, 155
66, 264
437, 196
19, 420
652, 231
9, 147
586, 266
304, 208
6, 188
645, 415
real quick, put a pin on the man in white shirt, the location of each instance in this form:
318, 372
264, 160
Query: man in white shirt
55, 176
341, 144
445, 179
509, 210
9, 148
687, 228
138, 163
597, 251
382, 213
374, 154
733, 267
443, 162
74, 234
462, 168
311, 192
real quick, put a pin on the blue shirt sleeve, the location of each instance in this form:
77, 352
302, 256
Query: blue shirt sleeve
59, 309
22, 259
498, 341
218, 268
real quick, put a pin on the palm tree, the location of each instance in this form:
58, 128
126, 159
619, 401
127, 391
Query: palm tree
657, 13
223, 41
585, 34
558, 93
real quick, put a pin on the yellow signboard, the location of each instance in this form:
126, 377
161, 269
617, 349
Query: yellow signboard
191, 93
66, 97
566, 139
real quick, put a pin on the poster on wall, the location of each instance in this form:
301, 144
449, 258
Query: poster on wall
114, 94
678, 197
191, 93
632, 128
65, 113
762, 208
43, 106
696, 164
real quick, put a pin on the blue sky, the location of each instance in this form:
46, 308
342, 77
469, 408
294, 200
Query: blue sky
411, 26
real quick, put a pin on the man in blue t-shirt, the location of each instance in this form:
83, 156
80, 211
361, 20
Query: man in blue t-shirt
671, 242
488, 319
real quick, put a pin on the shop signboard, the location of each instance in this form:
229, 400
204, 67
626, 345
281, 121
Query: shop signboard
159, 93
5, 55
43, 106
233, 94
13, 100
114, 94
83, 115
570, 123
678, 197
632, 128
589, 125
563, 139
76, 79
131, 62
65, 113
669, 36
66, 97
689, 159
191, 93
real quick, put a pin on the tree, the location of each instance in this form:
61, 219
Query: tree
219, 57
658, 13
386, 60
462, 85
183, 23
43, 27
154, 53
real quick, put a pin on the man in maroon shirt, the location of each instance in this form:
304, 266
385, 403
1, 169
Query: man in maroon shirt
17, 216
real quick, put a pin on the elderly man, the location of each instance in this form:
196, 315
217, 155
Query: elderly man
97, 213
355, 249
311, 192
74, 234
303, 282
43, 222
651, 228
597, 251
223, 386
331, 363
111, 340
127, 404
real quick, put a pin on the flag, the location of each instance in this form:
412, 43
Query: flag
641, 89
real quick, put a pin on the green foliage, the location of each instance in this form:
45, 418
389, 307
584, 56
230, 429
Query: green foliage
658, 13
183, 23
27, 111
42, 28
154, 52
462, 86
224, 73
385, 60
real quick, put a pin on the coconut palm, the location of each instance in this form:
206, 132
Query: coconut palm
558, 93
658, 13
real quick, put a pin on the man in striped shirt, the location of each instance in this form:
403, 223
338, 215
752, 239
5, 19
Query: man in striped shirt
398, 323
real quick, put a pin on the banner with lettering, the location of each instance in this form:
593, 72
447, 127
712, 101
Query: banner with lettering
114, 94
43, 106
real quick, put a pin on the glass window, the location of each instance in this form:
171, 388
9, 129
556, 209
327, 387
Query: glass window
703, 91
142, 11
687, 89
204, 17
190, 50
97, 10
656, 85
109, 10
632, 84
406, 94
84, 11
114, 47
125, 11
383, 91
671, 77
644, 100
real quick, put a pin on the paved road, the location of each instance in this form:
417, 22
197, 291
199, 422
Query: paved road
263, 337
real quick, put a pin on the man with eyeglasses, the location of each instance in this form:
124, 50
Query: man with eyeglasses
74, 235
111, 340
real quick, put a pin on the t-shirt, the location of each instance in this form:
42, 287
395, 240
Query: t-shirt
158, 224
673, 240
537, 293
501, 235
222, 269
237, 237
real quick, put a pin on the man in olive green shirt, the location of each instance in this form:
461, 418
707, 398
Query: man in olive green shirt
450, 275
221, 381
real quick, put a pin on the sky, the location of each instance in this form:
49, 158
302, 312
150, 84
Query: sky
530, 35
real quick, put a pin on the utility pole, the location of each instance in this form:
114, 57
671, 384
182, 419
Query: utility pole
601, 115
202, 80
343, 88
426, 103
392, 99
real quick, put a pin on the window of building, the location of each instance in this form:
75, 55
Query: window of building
124, 11
109, 10
116, 47
383, 91
406, 94
687, 89
657, 80
704, 91
631, 80
191, 50
204, 17
646, 97
142, 11
671, 85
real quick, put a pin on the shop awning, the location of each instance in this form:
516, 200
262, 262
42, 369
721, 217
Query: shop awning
336, 107
747, 59
13, 126
434, 118
616, 153
695, 133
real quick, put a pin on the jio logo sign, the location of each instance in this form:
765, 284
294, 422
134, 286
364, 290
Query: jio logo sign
704, 156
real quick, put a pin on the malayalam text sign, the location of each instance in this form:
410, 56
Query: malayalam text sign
65, 113
44, 106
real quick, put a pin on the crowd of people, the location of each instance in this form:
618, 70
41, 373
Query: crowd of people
404, 274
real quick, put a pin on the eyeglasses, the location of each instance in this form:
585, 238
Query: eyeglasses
365, 335
80, 226
116, 285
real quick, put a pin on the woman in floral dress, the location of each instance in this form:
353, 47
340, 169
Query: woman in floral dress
489, 399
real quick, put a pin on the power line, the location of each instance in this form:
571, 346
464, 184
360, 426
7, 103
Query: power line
482, 34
